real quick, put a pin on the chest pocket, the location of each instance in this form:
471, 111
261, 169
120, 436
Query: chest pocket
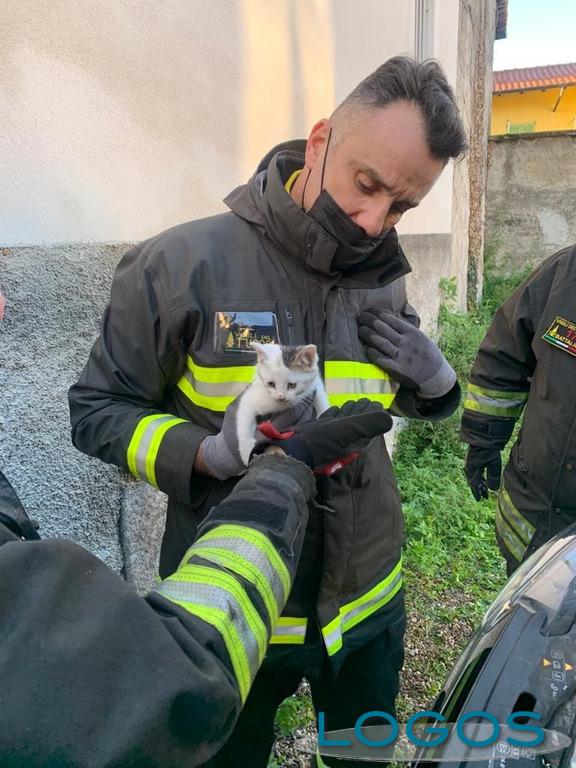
353, 380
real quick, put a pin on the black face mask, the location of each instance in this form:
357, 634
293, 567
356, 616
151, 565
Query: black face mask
354, 245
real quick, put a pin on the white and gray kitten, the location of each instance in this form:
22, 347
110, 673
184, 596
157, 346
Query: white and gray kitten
285, 376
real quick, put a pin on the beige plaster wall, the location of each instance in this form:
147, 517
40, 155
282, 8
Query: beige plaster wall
531, 198
123, 117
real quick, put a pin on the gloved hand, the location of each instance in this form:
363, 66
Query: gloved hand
483, 468
221, 453
333, 440
406, 353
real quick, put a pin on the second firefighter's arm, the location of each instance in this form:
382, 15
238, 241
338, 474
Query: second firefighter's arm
236, 579
499, 382
121, 680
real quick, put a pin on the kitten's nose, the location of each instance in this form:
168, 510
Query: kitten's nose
280, 396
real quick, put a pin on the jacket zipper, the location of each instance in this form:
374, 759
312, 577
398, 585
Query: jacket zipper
289, 318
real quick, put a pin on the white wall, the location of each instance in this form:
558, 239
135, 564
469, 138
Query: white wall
366, 33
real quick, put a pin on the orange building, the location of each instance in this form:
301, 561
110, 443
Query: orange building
534, 100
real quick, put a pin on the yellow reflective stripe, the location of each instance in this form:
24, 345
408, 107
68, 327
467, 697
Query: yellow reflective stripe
201, 574
259, 540
352, 380
132, 451
359, 609
494, 402
220, 620
212, 375
522, 527
289, 630
290, 183
214, 388
145, 443
292, 621
508, 536
197, 587
498, 394
235, 562
351, 369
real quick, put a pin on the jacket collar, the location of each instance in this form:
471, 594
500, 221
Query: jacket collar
264, 202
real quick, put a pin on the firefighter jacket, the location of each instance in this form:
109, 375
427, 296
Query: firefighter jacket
94, 676
172, 355
527, 364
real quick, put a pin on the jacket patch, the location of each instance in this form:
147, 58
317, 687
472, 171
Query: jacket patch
235, 331
562, 333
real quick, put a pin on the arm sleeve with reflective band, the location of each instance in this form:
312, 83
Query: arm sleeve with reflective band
117, 406
94, 675
500, 378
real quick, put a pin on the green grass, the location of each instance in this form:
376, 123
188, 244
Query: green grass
294, 712
450, 536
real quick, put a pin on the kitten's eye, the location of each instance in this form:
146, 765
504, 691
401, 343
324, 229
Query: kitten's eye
291, 385
271, 384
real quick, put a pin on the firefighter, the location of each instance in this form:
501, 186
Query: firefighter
527, 364
93, 675
308, 254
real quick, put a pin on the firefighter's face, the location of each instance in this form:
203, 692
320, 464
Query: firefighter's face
378, 166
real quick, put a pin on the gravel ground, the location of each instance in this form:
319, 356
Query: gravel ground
437, 633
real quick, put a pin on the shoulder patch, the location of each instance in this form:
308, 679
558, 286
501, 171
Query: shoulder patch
562, 334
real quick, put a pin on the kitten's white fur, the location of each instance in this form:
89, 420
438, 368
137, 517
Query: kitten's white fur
276, 388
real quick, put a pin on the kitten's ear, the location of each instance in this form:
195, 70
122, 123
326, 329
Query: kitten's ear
260, 350
307, 356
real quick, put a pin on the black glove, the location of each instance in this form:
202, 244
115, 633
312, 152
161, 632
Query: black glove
480, 459
406, 353
333, 440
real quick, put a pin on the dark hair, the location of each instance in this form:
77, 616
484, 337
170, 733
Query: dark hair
424, 83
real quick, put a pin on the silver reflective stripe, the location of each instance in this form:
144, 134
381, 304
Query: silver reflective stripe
265, 578
361, 608
216, 597
238, 534
145, 442
348, 616
495, 403
333, 640
289, 631
360, 386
